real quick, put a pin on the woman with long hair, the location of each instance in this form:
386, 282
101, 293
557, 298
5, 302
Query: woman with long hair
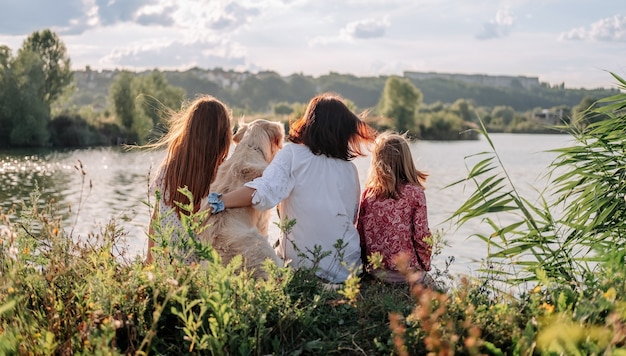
393, 218
197, 142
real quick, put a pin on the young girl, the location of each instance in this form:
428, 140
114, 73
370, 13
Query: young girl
198, 141
314, 182
392, 217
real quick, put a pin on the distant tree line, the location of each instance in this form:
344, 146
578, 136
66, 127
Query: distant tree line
442, 108
44, 103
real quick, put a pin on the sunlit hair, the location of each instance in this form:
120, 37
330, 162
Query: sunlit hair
198, 141
329, 128
392, 167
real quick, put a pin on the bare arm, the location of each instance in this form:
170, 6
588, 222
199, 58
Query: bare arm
238, 198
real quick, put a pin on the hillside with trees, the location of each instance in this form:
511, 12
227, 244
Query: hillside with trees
45, 104
258, 92
443, 103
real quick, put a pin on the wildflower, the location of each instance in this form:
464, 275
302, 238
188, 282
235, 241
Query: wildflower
536, 290
150, 276
13, 252
5, 232
118, 323
549, 308
610, 294
172, 281
11, 290
26, 250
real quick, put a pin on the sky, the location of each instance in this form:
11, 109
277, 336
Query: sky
574, 42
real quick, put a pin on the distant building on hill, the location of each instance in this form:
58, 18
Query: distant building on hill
499, 81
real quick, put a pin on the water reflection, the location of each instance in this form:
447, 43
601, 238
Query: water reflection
22, 171
115, 185
89, 186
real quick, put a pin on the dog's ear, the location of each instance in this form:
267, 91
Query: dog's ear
276, 133
241, 131
265, 135
270, 138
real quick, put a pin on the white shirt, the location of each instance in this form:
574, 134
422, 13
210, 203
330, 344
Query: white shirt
322, 195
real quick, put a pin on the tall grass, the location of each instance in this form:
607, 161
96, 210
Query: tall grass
64, 294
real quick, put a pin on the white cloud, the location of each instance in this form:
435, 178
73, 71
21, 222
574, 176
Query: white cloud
367, 28
360, 37
111, 12
498, 27
356, 30
611, 29
206, 53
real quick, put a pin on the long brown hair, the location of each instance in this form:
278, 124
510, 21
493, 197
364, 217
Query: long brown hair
329, 128
198, 141
392, 166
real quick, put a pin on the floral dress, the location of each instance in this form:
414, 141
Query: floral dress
391, 226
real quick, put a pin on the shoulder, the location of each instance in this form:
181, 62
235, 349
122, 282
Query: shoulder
415, 192
297, 149
290, 149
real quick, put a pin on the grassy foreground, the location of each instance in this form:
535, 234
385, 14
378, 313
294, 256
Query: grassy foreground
562, 255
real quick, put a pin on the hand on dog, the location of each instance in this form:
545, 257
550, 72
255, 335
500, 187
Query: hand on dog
216, 203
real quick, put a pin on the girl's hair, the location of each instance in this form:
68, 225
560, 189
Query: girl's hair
198, 141
392, 167
329, 128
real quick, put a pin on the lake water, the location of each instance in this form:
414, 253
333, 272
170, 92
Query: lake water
115, 185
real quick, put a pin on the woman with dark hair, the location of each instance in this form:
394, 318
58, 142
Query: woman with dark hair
313, 181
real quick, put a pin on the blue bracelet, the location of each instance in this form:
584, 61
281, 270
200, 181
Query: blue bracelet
216, 203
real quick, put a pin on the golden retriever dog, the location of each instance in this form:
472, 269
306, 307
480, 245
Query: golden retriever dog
243, 231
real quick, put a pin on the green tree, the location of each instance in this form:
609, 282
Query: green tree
434, 107
257, 93
400, 101
505, 114
156, 95
300, 88
563, 113
6, 83
55, 63
27, 111
30, 83
282, 108
584, 114
139, 102
464, 108
123, 99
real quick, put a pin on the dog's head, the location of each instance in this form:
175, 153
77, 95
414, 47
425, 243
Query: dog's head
267, 136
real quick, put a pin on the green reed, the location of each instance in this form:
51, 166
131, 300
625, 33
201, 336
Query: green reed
575, 223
